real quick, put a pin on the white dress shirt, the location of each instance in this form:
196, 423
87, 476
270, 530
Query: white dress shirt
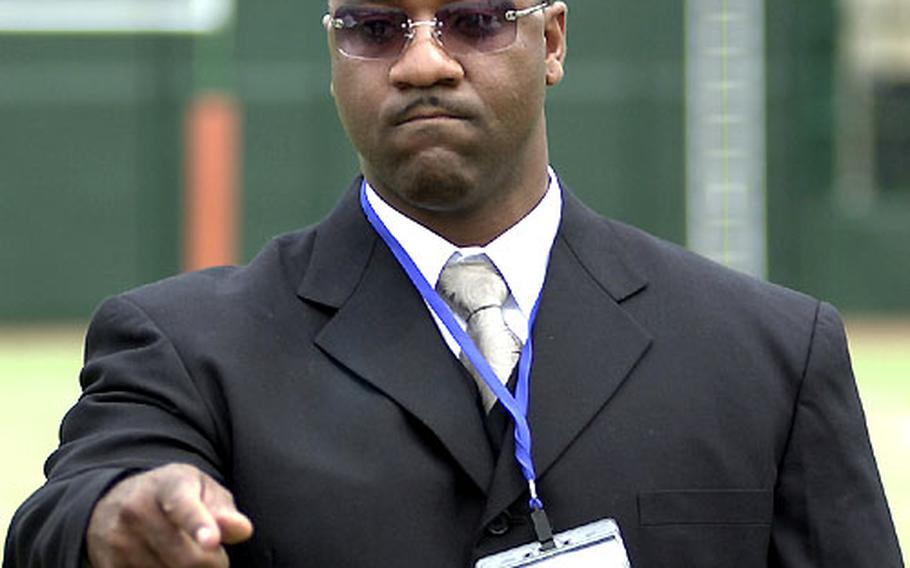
521, 254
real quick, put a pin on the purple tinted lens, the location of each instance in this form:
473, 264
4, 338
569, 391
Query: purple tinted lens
370, 33
477, 26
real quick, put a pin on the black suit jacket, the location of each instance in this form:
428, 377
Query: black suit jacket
715, 417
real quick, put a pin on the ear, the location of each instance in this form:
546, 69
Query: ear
555, 35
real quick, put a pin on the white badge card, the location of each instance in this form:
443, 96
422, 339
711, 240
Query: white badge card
595, 545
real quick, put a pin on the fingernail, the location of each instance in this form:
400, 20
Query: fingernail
203, 535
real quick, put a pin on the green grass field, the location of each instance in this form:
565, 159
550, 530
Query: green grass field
38, 382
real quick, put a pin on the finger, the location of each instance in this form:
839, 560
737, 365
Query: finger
147, 558
173, 546
180, 498
194, 556
235, 526
176, 548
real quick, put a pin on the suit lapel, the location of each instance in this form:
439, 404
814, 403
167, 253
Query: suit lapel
383, 333
585, 345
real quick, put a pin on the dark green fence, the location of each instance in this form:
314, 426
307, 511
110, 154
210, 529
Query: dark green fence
91, 150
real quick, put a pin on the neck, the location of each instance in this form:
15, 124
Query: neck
481, 223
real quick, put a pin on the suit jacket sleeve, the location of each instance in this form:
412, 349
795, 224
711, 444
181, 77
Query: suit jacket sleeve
139, 409
830, 508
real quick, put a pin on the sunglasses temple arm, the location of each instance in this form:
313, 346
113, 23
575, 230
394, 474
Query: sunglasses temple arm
513, 15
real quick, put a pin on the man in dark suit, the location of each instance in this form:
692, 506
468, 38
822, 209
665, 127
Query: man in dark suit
712, 416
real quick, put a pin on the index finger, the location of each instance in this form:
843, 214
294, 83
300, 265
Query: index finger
180, 498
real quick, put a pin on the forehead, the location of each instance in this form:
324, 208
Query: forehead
406, 5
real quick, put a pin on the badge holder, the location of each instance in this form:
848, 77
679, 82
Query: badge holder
598, 544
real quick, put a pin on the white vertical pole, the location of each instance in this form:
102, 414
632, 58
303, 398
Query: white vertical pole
114, 16
725, 138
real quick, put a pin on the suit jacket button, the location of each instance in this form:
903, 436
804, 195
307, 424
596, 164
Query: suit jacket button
499, 525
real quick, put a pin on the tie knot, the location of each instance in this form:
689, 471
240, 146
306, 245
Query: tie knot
472, 284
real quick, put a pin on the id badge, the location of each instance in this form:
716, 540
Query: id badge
595, 545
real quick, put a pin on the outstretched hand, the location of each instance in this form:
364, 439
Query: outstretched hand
171, 516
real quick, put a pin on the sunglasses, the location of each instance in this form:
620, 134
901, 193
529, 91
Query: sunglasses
364, 32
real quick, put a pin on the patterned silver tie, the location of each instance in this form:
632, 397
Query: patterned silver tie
474, 290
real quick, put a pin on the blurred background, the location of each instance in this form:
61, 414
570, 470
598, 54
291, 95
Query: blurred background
144, 139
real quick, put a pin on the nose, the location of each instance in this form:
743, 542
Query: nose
425, 63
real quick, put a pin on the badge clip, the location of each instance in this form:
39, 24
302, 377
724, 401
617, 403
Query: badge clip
542, 527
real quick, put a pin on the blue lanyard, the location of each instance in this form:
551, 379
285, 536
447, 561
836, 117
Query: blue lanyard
517, 405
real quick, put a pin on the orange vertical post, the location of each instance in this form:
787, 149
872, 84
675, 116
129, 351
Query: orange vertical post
212, 196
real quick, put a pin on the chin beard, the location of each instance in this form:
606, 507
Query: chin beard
436, 190
433, 187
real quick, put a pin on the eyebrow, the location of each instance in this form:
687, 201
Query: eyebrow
362, 2
393, 3
382, 3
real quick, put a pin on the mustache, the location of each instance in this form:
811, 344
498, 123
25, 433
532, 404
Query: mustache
430, 104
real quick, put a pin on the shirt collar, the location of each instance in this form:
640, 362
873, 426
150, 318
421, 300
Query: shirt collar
521, 254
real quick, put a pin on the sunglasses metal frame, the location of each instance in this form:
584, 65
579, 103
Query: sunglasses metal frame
408, 29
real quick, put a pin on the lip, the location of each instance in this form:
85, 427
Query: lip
428, 117
430, 109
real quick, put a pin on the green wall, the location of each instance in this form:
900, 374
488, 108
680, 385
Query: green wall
854, 253
91, 149
89, 169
